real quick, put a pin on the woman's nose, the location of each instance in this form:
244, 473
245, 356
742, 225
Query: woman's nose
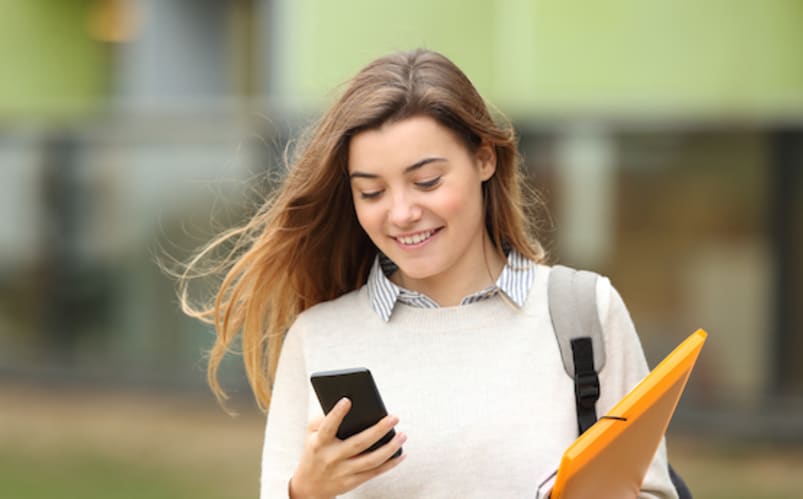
404, 210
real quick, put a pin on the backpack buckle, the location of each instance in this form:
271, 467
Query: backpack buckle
586, 389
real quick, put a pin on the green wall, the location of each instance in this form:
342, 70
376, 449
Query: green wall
50, 66
683, 57
325, 42
716, 58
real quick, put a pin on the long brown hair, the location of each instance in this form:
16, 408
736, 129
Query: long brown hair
305, 245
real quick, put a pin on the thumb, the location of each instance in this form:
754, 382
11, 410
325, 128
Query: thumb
328, 427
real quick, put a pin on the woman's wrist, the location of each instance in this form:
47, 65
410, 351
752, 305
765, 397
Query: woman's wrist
292, 489
294, 493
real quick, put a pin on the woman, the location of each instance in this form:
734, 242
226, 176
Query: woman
399, 242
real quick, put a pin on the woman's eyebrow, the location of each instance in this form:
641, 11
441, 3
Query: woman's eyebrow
413, 167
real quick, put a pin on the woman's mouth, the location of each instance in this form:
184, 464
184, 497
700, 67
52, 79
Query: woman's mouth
416, 239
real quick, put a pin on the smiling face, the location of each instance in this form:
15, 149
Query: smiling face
417, 191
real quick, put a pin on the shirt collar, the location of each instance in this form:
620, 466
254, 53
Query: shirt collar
514, 281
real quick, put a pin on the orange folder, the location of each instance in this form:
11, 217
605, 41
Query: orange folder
611, 458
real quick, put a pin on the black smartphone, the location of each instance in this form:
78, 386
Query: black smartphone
367, 407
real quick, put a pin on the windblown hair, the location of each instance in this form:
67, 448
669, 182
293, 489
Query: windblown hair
305, 246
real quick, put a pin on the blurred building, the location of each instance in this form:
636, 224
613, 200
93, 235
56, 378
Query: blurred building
666, 138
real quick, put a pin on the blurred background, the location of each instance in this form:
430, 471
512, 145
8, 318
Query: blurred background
665, 137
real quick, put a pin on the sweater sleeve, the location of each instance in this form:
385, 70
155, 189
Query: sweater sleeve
625, 366
287, 418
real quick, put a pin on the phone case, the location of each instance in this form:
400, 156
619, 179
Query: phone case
367, 407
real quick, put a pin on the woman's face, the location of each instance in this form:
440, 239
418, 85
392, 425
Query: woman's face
417, 192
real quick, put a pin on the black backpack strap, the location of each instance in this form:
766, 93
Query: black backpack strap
573, 310
680, 486
586, 383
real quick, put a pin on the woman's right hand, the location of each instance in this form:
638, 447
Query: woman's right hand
330, 466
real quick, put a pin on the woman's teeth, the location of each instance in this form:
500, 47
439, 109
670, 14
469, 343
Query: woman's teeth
408, 240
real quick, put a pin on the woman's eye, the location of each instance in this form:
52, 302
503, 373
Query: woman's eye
428, 184
370, 195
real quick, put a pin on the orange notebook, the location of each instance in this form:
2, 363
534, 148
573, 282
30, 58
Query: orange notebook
611, 458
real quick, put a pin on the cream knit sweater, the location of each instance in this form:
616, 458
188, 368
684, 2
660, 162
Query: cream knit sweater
479, 389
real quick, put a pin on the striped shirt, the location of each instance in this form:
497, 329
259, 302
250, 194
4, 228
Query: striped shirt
514, 281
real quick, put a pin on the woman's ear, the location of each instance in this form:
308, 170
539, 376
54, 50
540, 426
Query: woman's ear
486, 160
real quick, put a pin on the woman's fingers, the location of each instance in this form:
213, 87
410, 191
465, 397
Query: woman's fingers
362, 477
327, 430
380, 456
362, 441
329, 466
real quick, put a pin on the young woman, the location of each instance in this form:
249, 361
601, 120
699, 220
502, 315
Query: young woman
399, 242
